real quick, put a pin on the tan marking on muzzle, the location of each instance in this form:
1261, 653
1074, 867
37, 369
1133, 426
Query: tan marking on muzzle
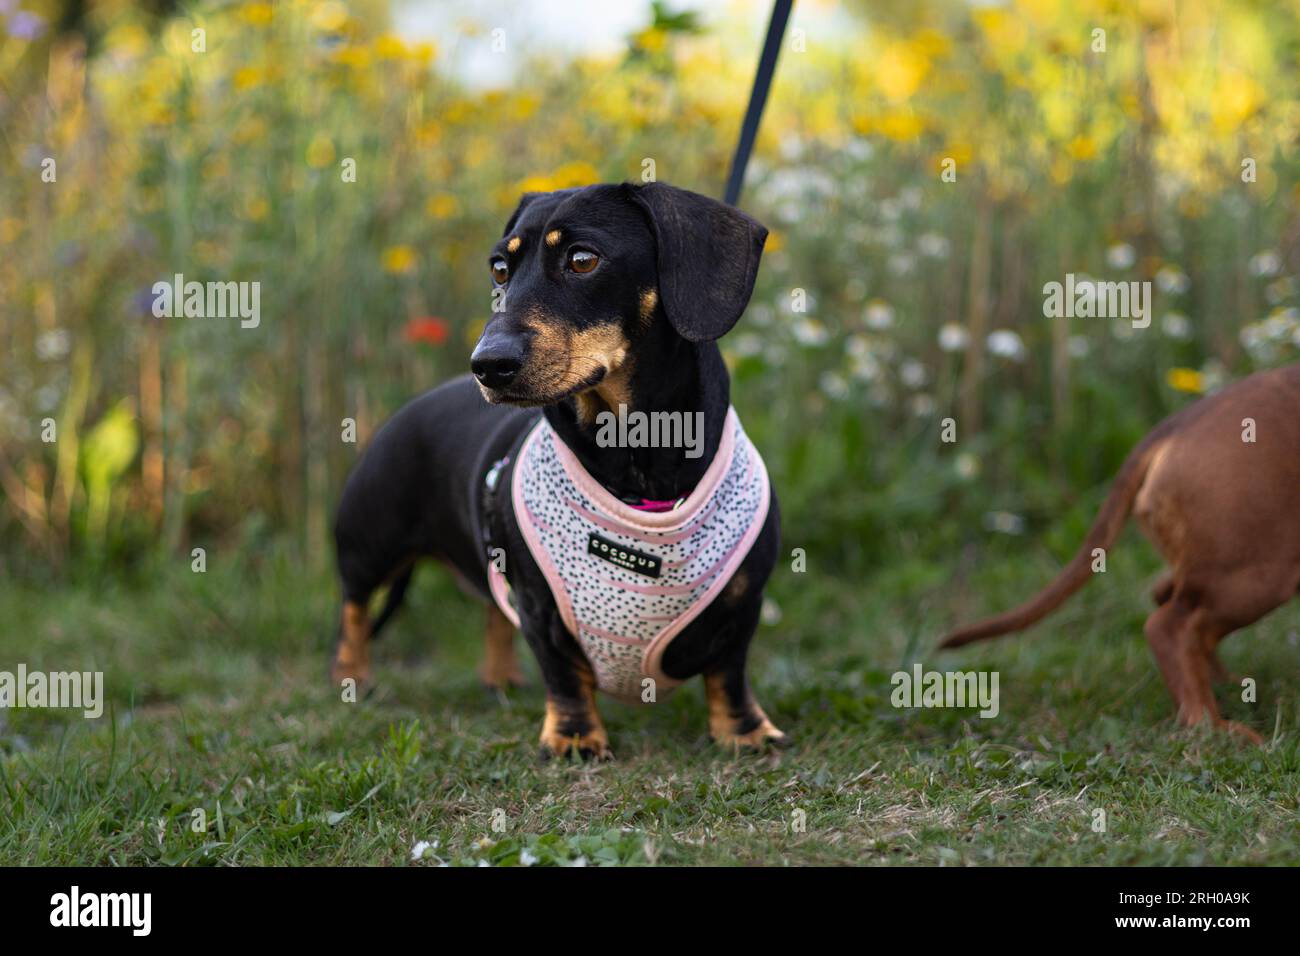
561, 359
553, 237
514, 244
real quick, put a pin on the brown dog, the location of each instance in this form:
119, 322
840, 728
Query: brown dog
1216, 488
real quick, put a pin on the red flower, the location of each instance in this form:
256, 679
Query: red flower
426, 329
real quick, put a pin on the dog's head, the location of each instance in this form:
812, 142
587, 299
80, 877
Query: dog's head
582, 275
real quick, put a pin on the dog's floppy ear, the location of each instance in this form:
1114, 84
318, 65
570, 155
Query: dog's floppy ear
524, 201
708, 256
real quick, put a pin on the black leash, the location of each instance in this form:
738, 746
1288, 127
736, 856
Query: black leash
758, 98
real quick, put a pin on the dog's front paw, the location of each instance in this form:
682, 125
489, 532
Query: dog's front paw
1244, 732
350, 665
765, 735
499, 678
593, 745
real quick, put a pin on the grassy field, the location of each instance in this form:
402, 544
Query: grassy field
219, 700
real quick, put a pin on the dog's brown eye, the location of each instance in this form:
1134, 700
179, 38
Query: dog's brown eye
580, 260
500, 271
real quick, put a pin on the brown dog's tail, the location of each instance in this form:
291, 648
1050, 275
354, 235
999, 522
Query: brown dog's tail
1110, 521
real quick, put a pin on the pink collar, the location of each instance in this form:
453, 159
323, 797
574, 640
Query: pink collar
648, 504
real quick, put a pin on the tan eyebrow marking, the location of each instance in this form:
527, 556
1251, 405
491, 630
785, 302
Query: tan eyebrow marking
649, 299
553, 237
513, 244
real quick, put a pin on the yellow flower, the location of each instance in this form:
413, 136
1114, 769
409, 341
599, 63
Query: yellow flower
258, 14
249, 130
247, 77
320, 152
398, 260
1186, 380
423, 53
390, 47
257, 209
652, 40
442, 206
1082, 147
774, 243
901, 126
900, 69
10, 229
354, 56
330, 16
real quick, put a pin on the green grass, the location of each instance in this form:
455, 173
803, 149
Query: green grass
219, 701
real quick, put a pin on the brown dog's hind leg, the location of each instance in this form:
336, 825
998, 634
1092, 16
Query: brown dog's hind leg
736, 721
352, 654
1183, 638
500, 666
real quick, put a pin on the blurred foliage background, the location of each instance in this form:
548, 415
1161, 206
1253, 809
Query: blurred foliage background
889, 299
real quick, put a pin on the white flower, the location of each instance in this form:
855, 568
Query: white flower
747, 344
580, 861
418, 851
901, 263
1006, 344
1172, 280
859, 149
47, 396
857, 346
1078, 347
1266, 263
527, 857
834, 385
770, 615
1004, 522
1121, 256
879, 315
953, 337
912, 373
53, 344
967, 466
1176, 326
933, 245
911, 197
880, 396
922, 405
865, 368
810, 332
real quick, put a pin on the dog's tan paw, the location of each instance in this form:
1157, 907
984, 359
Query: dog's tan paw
350, 665
589, 746
765, 735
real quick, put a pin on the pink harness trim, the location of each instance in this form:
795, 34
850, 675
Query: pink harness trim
624, 619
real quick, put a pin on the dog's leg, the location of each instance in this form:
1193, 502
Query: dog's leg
1183, 637
500, 666
735, 718
352, 654
1163, 589
572, 726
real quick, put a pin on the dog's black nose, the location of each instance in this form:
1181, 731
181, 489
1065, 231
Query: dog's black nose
497, 361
